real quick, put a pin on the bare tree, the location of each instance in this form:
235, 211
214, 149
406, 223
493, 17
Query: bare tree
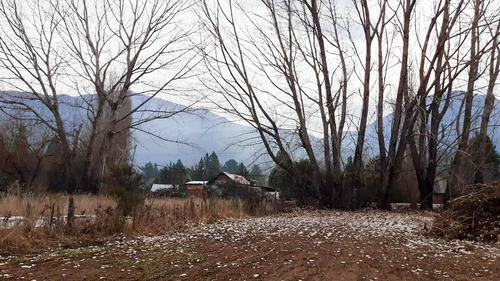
236, 88
333, 129
383, 56
289, 38
434, 72
33, 66
112, 53
369, 25
341, 98
463, 170
373, 25
120, 47
424, 145
493, 71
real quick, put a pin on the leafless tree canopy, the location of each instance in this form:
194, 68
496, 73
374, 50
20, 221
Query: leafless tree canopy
310, 76
303, 67
109, 53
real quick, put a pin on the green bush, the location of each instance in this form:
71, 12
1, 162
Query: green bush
125, 185
177, 194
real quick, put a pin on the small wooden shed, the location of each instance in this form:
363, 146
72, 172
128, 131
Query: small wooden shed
439, 192
195, 188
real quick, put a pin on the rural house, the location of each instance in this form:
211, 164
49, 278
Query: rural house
236, 186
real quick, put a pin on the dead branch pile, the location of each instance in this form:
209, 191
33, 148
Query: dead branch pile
475, 216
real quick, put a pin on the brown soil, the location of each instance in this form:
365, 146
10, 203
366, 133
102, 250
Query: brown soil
300, 246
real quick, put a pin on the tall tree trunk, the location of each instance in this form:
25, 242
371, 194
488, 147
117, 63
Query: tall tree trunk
426, 156
336, 136
460, 174
358, 154
396, 132
380, 102
330, 187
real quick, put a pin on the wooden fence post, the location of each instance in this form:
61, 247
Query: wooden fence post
71, 211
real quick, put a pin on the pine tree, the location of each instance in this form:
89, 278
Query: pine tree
231, 166
256, 175
242, 170
213, 167
150, 172
256, 171
349, 166
197, 172
175, 174
280, 179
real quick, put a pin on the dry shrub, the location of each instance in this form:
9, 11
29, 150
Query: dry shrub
23, 235
475, 216
105, 221
16, 240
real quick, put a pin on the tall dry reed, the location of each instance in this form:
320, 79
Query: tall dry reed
43, 217
12, 205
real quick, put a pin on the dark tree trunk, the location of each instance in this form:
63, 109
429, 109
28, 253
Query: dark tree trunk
396, 131
358, 154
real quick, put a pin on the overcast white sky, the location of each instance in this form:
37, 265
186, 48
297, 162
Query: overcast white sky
187, 90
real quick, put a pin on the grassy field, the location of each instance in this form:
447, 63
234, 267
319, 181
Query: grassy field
196, 239
39, 205
301, 245
11, 205
33, 222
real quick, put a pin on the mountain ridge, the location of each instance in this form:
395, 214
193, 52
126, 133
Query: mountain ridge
198, 131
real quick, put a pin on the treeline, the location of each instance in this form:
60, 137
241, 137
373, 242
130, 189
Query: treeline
208, 168
33, 157
405, 189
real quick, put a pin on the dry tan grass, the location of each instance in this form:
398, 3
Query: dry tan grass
39, 205
11, 205
155, 215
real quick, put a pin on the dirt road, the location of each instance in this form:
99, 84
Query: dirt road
305, 245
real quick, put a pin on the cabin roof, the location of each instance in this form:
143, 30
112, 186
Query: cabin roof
236, 178
158, 186
196, 182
